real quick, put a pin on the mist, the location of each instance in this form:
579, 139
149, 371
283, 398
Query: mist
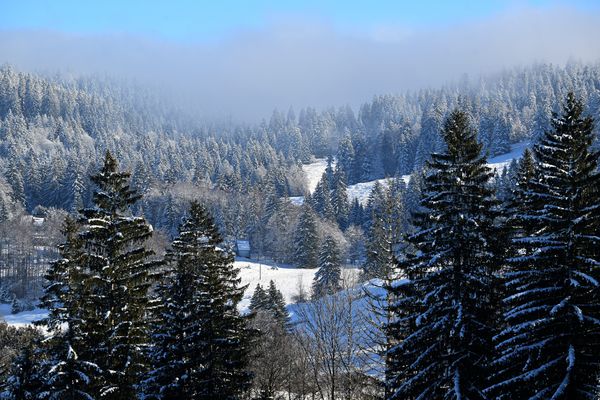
300, 62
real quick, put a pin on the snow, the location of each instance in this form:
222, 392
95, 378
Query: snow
286, 279
296, 200
361, 190
23, 318
314, 172
502, 161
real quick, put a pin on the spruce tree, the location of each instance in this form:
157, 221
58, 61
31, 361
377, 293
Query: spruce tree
339, 199
66, 375
549, 347
202, 342
441, 331
118, 276
24, 381
328, 277
306, 239
385, 234
276, 305
259, 300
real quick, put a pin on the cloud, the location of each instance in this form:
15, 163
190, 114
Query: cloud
302, 63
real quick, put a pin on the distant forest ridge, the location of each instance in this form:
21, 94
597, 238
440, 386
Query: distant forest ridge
54, 131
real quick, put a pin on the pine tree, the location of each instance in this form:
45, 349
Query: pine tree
201, 343
328, 277
270, 301
306, 240
321, 199
441, 330
549, 347
385, 234
118, 278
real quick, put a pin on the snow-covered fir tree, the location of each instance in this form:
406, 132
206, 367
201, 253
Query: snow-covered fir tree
24, 381
276, 305
65, 374
549, 348
259, 299
441, 328
306, 251
339, 199
387, 225
118, 276
201, 342
328, 277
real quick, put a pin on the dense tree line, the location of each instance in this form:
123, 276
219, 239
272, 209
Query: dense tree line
500, 299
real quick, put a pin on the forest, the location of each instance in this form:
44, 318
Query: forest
453, 280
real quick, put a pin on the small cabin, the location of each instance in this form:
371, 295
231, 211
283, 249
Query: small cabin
242, 248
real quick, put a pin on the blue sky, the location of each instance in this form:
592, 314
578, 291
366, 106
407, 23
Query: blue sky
202, 19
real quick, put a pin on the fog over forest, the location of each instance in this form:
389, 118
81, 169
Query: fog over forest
303, 61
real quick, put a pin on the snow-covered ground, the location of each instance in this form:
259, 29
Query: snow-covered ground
286, 279
502, 161
314, 172
22, 318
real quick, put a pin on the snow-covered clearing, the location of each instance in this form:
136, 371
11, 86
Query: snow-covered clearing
362, 190
286, 279
502, 161
23, 318
314, 172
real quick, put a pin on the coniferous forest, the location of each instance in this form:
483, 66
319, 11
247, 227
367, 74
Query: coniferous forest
440, 242
486, 280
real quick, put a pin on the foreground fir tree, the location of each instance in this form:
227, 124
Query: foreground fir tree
201, 341
65, 374
550, 348
328, 277
441, 327
118, 277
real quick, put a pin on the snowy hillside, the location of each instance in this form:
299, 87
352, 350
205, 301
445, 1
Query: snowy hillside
500, 162
22, 318
313, 172
362, 190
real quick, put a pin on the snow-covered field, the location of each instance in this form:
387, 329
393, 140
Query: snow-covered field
286, 279
22, 318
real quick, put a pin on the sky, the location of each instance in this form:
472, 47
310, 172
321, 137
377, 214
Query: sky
244, 58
